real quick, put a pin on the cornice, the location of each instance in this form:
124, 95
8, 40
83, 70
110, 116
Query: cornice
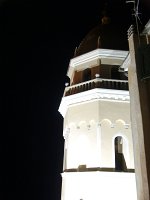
115, 57
98, 53
94, 94
126, 63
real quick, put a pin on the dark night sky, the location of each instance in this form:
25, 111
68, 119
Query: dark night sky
37, 41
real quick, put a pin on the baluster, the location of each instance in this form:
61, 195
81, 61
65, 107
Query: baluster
116, 85
73, 90
70, 91
108, 84
105, 84
89, 86
93, 85
76, 90
86, 86
112, 84
102, 84
80, 88
83, 87
121, 85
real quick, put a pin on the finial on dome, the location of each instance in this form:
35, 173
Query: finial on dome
105, 19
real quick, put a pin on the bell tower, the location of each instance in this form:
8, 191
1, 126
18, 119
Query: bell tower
98, 151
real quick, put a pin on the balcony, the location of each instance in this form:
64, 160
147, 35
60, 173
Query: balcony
96, 83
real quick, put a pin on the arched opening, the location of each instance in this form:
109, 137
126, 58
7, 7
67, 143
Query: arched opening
120, 164
87, 74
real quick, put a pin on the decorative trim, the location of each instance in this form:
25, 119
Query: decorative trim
94, 94
94, 170
98, 53
125, 64
116, 57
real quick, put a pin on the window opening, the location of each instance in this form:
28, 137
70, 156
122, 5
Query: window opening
120, 164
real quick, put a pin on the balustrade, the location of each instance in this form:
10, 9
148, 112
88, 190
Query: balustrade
97, 83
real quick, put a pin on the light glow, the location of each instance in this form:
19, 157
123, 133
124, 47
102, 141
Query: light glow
99, 186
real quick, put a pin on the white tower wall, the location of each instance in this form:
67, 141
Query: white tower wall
98, 185
97, 131
93, 126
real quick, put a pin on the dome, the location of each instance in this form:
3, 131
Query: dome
106, 36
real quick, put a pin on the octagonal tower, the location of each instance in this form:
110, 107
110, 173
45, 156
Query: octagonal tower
98, 151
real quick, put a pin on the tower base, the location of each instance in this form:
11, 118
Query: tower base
98, 185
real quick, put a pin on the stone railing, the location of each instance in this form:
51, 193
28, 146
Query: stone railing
96, 83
